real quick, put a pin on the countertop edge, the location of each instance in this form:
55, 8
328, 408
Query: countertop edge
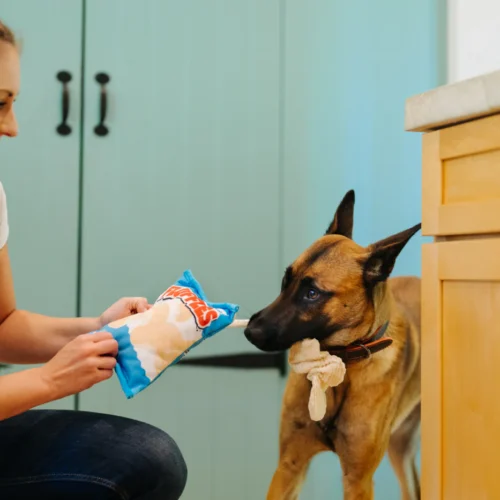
453, 103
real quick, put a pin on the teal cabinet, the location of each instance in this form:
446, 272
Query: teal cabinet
188, 177
40, 169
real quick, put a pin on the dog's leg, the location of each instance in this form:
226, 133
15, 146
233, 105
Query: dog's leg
300, 440
361, 442
402, 450
416, 479
297, 449
359, 462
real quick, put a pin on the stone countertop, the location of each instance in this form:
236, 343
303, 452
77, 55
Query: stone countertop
453, 103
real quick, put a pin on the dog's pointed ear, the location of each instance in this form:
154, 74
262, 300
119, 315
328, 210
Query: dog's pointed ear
382, 258
344, 216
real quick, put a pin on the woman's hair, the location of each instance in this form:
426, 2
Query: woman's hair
6, 34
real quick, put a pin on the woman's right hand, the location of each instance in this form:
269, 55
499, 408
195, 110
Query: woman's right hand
85, 361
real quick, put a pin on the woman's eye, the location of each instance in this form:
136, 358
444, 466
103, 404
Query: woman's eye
312, 294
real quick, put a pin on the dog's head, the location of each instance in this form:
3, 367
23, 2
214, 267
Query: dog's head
330, 291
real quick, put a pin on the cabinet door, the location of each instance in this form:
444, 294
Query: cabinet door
40, 168
188, 177
460, 369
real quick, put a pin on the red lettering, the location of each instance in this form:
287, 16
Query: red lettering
211, 315
203, 313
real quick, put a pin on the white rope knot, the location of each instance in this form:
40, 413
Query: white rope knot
323, 370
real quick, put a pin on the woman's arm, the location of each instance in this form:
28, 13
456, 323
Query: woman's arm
80, 364
26, 337
21, 391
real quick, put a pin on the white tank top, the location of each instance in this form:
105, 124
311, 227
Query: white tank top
4, 223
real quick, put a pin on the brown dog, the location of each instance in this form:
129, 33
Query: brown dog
339, 293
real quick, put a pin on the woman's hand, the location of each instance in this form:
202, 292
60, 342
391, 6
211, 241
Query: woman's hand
86, 360
123, 308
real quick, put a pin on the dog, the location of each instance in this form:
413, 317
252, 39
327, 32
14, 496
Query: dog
342, 295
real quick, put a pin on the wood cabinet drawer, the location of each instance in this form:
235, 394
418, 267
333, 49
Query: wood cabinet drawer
461, 179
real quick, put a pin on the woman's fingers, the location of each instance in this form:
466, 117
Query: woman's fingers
107, 347
106, 363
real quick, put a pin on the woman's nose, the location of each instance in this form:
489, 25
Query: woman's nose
8, 126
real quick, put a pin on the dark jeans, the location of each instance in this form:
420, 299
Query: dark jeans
68, 455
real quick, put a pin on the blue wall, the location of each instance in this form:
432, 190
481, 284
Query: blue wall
344, 128
344, 124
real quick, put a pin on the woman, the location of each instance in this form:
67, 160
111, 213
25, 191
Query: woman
66, 454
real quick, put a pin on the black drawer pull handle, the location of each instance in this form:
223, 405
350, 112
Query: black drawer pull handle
63, 128
101, 129
248, 361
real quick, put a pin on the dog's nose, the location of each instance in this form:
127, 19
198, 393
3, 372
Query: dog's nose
261, 337
254, 317
254, 334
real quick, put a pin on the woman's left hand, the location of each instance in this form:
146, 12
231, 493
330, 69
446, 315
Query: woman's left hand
123, 308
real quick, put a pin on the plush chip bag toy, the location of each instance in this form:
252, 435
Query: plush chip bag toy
150, 342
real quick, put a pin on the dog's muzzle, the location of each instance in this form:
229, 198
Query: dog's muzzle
261, 335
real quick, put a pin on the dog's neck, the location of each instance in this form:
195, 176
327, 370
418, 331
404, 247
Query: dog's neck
383, 305
376, 338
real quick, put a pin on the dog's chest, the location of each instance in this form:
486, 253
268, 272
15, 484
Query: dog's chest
336, 398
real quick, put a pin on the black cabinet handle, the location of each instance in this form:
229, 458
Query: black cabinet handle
63, 128
248, 361
101, 129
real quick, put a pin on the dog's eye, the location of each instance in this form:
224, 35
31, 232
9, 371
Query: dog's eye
312, 294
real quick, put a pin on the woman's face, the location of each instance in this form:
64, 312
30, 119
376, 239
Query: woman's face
9, 88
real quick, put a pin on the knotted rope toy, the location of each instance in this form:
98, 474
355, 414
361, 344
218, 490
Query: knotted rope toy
322, 369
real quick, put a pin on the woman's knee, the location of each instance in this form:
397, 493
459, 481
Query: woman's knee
144, 461
162, 465
136, 460
172, 473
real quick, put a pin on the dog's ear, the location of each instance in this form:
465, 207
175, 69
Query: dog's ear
344, 216
382, 258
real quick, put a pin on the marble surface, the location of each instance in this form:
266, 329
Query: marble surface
453, 103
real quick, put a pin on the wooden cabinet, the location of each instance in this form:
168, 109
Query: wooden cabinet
461, 308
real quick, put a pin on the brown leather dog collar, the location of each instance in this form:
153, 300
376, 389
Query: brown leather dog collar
363, 349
